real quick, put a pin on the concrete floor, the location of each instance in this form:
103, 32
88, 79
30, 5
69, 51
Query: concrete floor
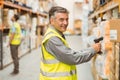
29, 64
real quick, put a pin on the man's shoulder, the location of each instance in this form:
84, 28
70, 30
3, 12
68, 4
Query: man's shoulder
55, 40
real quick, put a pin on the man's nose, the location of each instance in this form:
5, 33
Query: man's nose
65, 22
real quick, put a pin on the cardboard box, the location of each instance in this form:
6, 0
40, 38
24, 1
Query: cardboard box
117, 70
114, 25
111, 76
116, 52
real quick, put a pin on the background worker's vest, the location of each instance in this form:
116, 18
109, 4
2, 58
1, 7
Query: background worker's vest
17, 37
51, 68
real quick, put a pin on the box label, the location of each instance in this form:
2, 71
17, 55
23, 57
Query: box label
113, 34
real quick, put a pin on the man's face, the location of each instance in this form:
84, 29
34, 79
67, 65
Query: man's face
60, 21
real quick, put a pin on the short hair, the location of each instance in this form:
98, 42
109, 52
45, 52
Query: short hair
16, 17
57, 9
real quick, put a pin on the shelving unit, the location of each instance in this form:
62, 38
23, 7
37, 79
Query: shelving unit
7, 4
1, 50
21, 10
107, 66
110, 5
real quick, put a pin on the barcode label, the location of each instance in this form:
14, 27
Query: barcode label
113, 34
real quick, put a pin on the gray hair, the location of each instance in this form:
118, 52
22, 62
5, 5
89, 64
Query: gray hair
57, 9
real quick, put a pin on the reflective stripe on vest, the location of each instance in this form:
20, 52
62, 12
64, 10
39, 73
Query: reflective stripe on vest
58, 74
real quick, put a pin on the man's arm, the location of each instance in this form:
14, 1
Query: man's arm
12, 34
11, 37
64, 54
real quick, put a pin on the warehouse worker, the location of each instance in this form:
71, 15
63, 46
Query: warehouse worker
14, 42
58, 60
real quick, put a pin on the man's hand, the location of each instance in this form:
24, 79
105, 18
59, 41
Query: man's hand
97, 47
11, 37
8, 44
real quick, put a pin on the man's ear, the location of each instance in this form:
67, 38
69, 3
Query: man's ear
52, 20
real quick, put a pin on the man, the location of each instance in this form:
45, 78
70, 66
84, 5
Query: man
14, 42
58, 60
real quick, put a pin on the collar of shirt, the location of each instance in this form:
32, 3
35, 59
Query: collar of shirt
52, 27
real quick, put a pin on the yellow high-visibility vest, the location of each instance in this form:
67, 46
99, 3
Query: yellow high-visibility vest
17, 38
51, 68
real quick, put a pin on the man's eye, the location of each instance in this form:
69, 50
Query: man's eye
61, 19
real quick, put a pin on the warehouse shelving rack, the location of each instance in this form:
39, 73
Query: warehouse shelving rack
22, 10
99, 11
110, 5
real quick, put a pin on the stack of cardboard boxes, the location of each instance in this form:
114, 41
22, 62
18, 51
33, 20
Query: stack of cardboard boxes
106, 66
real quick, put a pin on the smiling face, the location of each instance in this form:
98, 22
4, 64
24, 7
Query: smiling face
58, 17
60, 21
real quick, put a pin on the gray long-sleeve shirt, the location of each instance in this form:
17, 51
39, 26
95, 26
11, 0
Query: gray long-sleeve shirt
66, 55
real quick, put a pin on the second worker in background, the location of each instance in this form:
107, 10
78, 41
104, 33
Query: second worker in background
14, 42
